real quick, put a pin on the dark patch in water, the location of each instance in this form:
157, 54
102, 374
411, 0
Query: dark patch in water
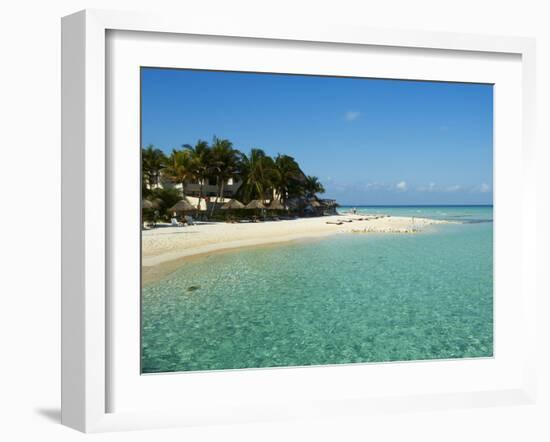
192, 288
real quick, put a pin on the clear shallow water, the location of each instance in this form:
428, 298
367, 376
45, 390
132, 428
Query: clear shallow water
466, 214
344, 299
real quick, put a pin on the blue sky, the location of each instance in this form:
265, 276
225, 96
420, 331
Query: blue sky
369, 141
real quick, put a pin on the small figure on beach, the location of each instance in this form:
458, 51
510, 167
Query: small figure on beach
354, 211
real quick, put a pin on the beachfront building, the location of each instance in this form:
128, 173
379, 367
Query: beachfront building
209, 188
214, 175
209, 191
313, 206
328, 206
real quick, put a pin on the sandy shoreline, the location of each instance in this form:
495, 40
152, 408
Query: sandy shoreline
164, 249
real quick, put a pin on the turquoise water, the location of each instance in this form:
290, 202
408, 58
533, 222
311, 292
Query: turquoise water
344, 299
469, 214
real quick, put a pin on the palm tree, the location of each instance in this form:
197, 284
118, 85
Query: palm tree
201, 164
312, 186
288, 175
153, 161
180, 168
258, 173
225, 165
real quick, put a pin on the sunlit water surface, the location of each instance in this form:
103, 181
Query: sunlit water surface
344, 299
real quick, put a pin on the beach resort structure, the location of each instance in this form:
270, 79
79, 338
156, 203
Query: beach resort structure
209, 187
207, 176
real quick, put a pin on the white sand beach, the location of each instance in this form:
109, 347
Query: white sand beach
164, 248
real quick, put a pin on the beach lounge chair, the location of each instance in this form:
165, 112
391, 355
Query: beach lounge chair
189, 220
338, 223
175, 223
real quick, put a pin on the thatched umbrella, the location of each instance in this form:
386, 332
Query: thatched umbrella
276, 205
157, 202
146, 204
182, 206
232, 205
255, 204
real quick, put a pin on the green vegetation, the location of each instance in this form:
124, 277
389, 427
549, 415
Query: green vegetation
153, 161
261, 177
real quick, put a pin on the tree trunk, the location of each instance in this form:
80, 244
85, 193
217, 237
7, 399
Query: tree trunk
221, 189
200, 198
220, 185
183, 183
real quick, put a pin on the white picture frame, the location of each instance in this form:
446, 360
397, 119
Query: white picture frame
85, 232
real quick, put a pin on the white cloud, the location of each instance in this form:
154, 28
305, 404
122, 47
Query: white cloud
374, 186
401, 185
429, 188
352, 115
454, 188
484, 188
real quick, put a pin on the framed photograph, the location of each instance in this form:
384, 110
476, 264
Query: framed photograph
269, 223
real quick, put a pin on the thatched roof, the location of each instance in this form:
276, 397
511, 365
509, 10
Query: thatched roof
329, 203
276, 205
182, 206
157, 202
233, 204
255, 204
146, 204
